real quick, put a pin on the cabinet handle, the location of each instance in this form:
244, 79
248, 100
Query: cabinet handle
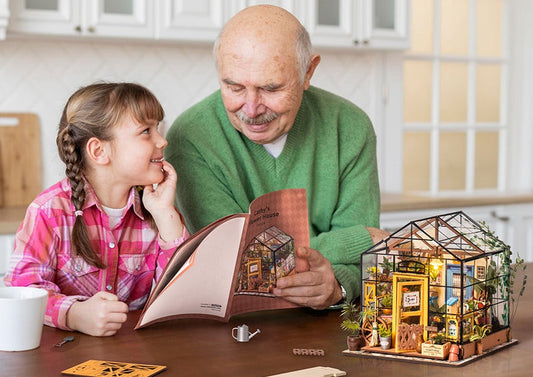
78, 29
91, 29
356, 42
366, 42
496, 216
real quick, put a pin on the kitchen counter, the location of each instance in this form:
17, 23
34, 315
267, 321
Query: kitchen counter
400, 202
11, 217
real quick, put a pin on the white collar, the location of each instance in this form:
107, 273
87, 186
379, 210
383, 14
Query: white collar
276, 147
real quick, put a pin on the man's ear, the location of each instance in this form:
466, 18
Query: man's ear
97, 151
315, 59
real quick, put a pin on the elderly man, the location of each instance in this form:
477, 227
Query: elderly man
267, 129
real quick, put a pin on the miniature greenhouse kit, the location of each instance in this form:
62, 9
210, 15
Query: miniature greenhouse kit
268, 257
447, 276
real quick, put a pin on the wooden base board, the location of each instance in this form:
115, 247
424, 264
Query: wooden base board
422, 360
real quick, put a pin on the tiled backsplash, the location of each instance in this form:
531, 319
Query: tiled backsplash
38, 75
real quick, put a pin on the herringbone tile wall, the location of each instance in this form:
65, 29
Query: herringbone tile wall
38, 75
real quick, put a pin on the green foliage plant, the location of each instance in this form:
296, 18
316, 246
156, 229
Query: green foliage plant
387, 266
439, 339
384, 330
351, 319
480, 332
386, 301
508, 273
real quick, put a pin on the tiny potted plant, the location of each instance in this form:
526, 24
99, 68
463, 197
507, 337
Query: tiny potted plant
479, 332
386, 303
387, 267
351, 323
385, 334
372, 272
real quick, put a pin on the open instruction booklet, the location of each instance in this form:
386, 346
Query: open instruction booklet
231, 266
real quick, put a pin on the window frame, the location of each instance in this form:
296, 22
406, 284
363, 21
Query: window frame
394, 130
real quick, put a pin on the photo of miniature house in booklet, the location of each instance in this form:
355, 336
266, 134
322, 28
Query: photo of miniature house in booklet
268, 257
438, 283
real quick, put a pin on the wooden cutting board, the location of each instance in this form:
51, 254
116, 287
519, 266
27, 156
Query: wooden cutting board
20, 159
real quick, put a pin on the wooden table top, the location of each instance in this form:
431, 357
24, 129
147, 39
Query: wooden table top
205, 348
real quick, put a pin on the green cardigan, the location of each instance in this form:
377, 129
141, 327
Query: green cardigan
330, 151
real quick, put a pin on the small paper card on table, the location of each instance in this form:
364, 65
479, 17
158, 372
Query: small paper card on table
95, 368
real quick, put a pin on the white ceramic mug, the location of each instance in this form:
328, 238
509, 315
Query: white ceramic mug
21, 317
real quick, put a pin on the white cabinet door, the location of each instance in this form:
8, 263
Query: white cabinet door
376, 24
199, 20
332, 23
56, 17
98, 18
123, 18
385, 24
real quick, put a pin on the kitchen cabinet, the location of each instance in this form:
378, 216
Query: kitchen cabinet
367, 24
379, 24
371, 24
199, 20
94, 18
512, 223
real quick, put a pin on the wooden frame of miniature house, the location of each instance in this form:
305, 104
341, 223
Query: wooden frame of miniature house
442, 274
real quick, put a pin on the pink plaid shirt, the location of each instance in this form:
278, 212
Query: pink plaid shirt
132, 251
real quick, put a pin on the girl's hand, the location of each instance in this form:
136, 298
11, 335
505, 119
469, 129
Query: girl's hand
161, 198
101, 315
160, 203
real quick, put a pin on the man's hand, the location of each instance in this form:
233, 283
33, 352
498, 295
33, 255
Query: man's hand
314, 285
377, 234
101, 315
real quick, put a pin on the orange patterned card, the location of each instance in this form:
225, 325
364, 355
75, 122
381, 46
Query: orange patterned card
95, 368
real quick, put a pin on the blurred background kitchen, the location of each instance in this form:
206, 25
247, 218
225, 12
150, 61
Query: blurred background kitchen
448, 85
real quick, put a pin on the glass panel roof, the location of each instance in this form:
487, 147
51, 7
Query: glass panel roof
454, 235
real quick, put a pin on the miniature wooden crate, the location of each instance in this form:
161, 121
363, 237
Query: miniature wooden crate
438, 351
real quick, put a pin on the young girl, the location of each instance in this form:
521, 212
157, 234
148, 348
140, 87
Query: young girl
94, 240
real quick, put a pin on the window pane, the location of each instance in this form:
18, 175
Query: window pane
42, 4
421, 26
328, 12
487, 152
453, 92
384, 11
488, 92
489, 28
416, 161
417, 91
454, 27
118, 7
452, 161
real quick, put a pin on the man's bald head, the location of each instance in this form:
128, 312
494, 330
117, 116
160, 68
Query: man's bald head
266, 27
